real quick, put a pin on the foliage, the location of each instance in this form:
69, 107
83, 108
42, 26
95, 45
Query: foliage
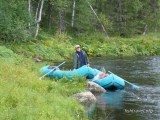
130, 17
14, 21
98, 45
120, 17
83, 17
46, 48
104, 19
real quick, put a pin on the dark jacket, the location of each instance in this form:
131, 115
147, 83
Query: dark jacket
80, 59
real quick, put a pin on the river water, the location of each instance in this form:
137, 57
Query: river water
129, 104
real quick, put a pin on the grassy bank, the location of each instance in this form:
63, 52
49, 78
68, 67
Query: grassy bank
61, 48
99, 45
24, 96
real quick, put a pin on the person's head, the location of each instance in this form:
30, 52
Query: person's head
77, 47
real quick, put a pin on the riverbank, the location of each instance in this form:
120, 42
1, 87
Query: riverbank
24, 96
58, 48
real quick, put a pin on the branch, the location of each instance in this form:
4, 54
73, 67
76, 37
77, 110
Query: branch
98, 19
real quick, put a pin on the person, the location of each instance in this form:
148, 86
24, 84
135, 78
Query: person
80, 57
100, 76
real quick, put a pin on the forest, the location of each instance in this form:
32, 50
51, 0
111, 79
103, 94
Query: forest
23, 20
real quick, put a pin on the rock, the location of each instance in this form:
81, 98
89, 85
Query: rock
95, 88
37, 59
85, 98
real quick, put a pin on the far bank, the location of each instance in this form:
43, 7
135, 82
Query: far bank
58, 48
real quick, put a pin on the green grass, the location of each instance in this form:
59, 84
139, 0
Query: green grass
46, 47
97, 45
57, 48
24, 97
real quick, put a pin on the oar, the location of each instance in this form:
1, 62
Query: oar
52, 70
134, 86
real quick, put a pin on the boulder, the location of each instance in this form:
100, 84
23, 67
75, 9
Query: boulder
85, 98
95, 88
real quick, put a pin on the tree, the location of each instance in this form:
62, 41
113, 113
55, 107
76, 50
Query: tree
14, 19
38, 16
130, 17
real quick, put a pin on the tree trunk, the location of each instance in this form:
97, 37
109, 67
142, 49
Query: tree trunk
98, 19
49, 14
119, 19
73, 12
38, 16
60, 23
29, 10
145, 30
154, 7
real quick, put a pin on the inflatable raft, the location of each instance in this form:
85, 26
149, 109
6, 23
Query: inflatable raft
111, 81
83, 71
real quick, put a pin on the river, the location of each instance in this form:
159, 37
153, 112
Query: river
130, 104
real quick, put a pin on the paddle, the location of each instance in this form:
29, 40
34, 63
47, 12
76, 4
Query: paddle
134, 86
52, 70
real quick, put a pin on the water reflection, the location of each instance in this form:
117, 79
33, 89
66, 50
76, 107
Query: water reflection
113, 99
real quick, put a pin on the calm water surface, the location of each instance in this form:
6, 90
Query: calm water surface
130, 104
